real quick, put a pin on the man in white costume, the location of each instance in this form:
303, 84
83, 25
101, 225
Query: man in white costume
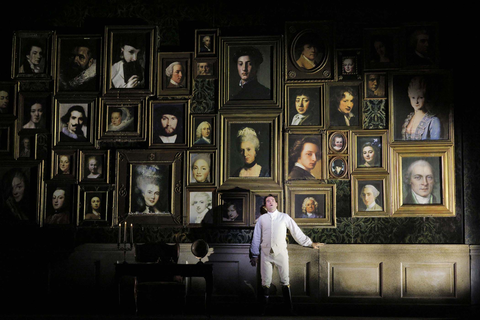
269, 242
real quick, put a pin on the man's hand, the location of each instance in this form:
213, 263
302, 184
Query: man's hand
317, 245
254, 261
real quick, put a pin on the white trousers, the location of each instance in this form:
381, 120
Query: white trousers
280, 260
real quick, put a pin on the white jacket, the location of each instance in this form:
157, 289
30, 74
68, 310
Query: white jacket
271, 231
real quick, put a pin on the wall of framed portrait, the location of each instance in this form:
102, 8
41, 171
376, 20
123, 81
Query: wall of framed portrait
361, 131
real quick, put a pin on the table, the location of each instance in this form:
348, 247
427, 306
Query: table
186, 270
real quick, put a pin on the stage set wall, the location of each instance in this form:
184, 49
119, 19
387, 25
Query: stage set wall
426, 260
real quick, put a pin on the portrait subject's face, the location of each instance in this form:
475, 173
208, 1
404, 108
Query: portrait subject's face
4, 99
201, 170
246, 69
200, 203
75, 122
368, 154
247, 149
373, 82
417, 98
64, 163
58, 199
93, 166
151, 194
232, 212
309, 156
207, 41
310, 51
422, 180
130, 54
36, 112
206, 130
302, 104
116, 118
367, 196
18, 189
346, 103
35, 56
203, 68
422, 43
310, 206
348, 65
82, 58
95, 202
169, 123
26, 143
379, 48
177, 74
338, 142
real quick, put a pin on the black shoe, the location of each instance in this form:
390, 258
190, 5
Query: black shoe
287, 296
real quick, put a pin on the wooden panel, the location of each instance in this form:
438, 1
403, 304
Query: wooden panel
428, 280
355, 280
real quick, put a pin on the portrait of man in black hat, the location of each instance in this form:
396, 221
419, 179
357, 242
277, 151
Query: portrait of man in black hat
168, 123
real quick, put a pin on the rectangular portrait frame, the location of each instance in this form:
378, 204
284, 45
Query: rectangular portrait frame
305, 157
263, 88
8, 99
205, 199
142, 44
310, 98
136, 172
377, 188
201, 169
174, 73
369, 151
32, 47
431, 170
35, 112
122, 119
176, 113
100, 173
434, 89
203, 131
382, 48
256, 202
27, 206
68, 105
299, 196
348, 97
206, 42
261, 132
87, 214
233, 208
64, 165
78, 64
301, 61
60, 204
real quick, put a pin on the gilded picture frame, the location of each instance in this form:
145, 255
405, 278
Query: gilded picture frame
429, 92
174, 74
130, 60
302, 62
349, 64
423, 183
94, 205
375, 85
233, 208
369, 151
261, 142
35, 112
205, 68
64, 164
260, 85
200, 205
75, 121
382, 48
150, 172
168, 123
78, 64
338, 167
60, 203
203, 131
305, 157
25, 206
345, 100
312, 205
32, 54
122, 119
201, 168
370, 195
305, 106
338, 141
206, 42
94, 166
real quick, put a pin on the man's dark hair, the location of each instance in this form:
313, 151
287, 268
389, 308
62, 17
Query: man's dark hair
254, 54
270, 195
297, 147
66, 117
